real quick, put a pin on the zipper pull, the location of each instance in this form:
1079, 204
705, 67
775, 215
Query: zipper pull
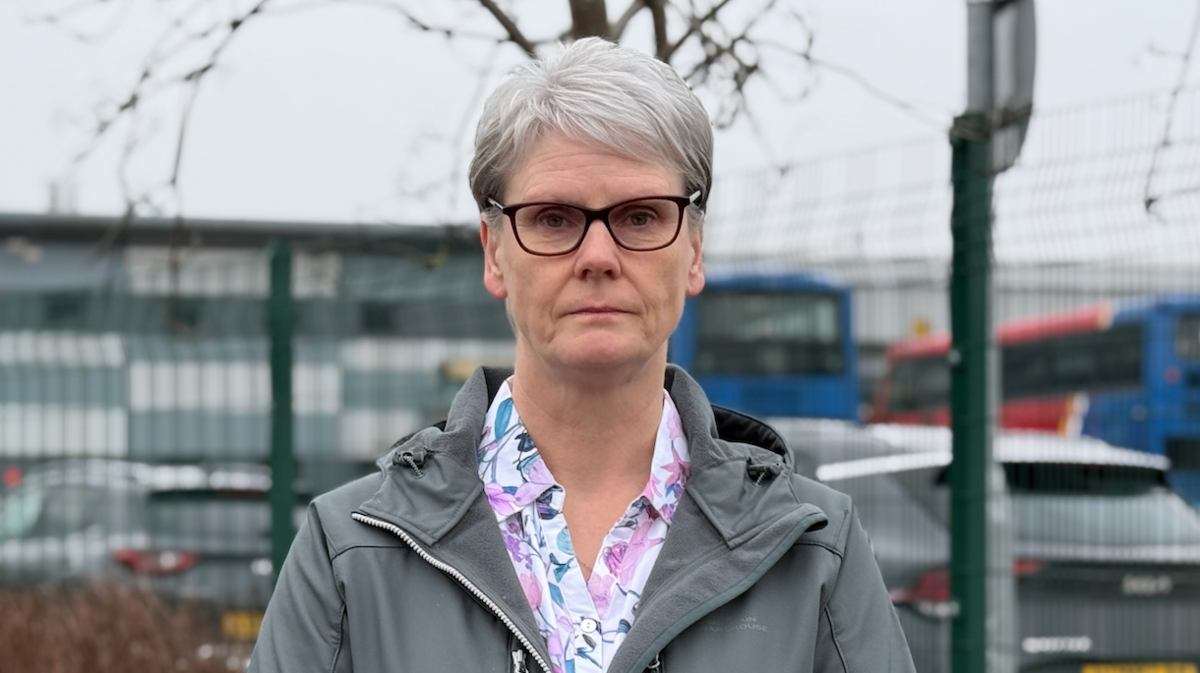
656, 665
519, 661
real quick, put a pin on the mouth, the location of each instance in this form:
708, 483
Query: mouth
597, 310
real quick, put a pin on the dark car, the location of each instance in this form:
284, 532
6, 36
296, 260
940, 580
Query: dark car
1105, 558
191, 533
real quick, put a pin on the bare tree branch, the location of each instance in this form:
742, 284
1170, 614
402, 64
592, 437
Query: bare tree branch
658, 10
589, 18
59, 19
693, 27
510, 26
464, 126
1149, 199
872, 89
618, 28
722, 54
719, 51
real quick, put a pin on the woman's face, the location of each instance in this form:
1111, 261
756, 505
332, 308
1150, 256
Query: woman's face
600, 306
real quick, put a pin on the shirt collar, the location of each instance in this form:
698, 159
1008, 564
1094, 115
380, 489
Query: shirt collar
514, 474
671, 463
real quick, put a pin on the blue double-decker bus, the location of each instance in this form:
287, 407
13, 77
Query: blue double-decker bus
771, 344
1159, 411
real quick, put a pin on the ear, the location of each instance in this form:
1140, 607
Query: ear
695, 281
493, 277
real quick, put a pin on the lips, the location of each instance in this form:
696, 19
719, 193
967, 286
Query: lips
596, 310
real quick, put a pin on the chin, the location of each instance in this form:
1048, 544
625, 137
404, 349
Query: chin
604, 352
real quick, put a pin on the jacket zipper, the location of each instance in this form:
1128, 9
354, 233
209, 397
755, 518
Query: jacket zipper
518, 662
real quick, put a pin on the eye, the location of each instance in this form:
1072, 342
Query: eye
553, 218
638, 216
641, 218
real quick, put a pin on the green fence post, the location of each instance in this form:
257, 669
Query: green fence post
971, 357
281, 321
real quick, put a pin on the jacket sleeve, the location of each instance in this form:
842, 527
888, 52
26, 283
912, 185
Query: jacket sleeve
859, 630
304, 626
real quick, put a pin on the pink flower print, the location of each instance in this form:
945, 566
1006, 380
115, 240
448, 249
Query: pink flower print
652, 488
554, 648
502, 502
631, 553
674, 426
600, 587
533, 590
538, 481
513, 542
677, 470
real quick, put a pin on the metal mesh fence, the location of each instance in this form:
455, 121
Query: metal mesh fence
135, 383
1096, 303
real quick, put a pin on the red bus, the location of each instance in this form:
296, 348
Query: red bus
1127, 373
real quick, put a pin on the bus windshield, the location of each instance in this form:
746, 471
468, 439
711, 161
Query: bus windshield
919, 383
1076, 362
1073, 363
768, 333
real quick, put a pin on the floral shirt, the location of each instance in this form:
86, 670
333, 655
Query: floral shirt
583, 621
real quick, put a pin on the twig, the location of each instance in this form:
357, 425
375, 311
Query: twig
412, 19
694, 25
1149, 199
464, 124
618, 28
510, 26
79, 7
868, 86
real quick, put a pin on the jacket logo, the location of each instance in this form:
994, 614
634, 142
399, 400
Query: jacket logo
743, 624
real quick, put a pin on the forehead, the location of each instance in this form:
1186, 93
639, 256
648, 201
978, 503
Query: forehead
557, 168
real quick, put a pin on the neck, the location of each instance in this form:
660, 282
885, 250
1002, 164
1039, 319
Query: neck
594, 430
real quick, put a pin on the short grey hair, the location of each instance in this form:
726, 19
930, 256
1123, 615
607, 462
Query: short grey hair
593, 91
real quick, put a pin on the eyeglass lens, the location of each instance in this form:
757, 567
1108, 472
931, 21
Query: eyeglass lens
641, 225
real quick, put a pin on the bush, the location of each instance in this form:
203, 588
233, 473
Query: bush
107, 629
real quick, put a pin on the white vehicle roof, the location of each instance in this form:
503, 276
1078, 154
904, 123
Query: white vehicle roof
843, 450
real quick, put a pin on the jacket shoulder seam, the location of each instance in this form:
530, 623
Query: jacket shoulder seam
824, 545
837, 645
337, 650
838, 550
339, 631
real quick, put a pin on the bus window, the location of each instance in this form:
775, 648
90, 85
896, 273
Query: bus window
920, 383
1076, 362
1187, 337
748, 333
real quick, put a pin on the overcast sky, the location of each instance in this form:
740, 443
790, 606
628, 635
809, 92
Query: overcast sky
341, 114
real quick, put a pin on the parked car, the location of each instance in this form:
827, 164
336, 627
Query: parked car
1106, 559
191, 533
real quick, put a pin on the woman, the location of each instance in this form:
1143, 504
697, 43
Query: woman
587, 510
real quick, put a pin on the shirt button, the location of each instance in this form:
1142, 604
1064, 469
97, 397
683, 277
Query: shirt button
588, 625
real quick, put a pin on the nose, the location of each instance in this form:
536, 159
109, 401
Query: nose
598, 253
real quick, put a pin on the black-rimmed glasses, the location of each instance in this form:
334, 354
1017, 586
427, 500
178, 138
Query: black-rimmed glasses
643, 224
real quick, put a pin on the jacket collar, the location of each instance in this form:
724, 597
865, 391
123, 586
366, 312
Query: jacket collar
431, 479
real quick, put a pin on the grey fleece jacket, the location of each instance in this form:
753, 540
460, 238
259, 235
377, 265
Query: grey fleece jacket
405, 571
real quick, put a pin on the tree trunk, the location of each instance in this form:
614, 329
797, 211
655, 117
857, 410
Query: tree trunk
589, 18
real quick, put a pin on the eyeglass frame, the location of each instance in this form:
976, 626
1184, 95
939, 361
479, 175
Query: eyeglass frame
592, 215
